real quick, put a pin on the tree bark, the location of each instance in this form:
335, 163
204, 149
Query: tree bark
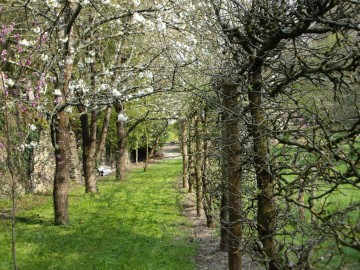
224, 204
197, 165
62, 169
207, 198
121, 146
234, 175
60, 122
104, 132
184, 152
89, 148
266, 212
191, 155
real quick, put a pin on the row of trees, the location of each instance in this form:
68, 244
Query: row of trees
281, 155
69, 60
266, 101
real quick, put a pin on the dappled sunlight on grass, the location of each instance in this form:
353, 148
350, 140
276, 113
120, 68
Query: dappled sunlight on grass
129, 225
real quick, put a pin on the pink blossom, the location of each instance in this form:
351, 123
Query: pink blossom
3, 55
44, 37
4, 30
6, 92
19, 48
17, 37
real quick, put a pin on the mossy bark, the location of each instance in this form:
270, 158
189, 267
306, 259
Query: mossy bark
266, 212
234, 175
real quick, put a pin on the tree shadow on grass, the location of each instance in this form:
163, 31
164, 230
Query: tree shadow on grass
85, 246
119, 229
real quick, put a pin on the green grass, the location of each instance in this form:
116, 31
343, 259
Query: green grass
135, 224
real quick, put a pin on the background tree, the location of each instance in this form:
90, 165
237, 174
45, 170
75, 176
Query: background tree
270, 42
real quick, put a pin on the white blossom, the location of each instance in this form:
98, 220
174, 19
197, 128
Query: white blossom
69, 109
122, 117
9, 82
37, 30
89, 60
104, 86
105, 2
24, 42
138, 18
33, 144
108, 72
52, 3
31, 95
149, 89
80, 64
65, 39
136, 3
161, 26
57, 92
148, 74
115, 93
32, 127
44, 57
22, 147
69, 61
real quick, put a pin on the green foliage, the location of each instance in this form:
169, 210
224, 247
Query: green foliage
135, 224
172, 135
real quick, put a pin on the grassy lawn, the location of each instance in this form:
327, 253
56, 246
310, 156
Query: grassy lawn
136, 224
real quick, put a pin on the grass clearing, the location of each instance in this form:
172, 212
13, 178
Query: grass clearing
136, 224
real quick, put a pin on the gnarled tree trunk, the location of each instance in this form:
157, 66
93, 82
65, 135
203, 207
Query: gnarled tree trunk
234, 174
207, 197
60, 121
266, 214
62, 169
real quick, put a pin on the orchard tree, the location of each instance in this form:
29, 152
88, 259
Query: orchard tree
279, 46
21, 87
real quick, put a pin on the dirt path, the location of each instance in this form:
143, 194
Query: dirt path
209, 256
171, 150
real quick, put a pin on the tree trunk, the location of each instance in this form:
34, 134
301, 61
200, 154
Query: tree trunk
207, 198
120, 155
191, 155
60, 122
197, 165
233, 158
301, 198
121, 151
266, 214
62, 169
224, 204
184, 152
104, 132
89, 149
